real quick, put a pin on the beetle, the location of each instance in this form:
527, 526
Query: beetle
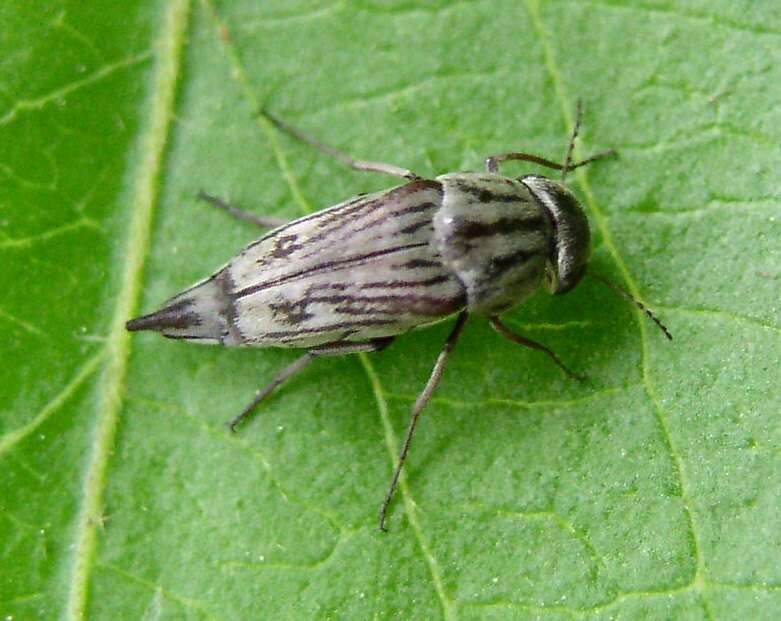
352, 277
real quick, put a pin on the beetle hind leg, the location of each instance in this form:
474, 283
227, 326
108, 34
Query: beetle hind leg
240, 214
420, 403
341, 156
338, 348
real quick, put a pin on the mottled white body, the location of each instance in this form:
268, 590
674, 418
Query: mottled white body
352, 277
375, 266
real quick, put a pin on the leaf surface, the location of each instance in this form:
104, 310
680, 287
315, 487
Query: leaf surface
651, 491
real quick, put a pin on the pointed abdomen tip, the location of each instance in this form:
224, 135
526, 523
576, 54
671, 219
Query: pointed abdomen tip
145, 322
199, 313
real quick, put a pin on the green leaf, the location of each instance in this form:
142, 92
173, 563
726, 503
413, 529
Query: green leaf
651, 491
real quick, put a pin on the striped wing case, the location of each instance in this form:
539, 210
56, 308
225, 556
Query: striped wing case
360, 270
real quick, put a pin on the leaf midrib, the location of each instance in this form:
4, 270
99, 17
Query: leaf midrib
109, 399
697, 580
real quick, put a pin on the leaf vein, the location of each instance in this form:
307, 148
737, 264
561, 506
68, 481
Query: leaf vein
239, 75
25, 242
253, 452
650, 389
526, 405
723, 315
36, 103
680, 13
110, 398
184, 602
448, 605
87, 369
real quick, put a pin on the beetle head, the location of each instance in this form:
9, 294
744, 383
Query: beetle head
571, 234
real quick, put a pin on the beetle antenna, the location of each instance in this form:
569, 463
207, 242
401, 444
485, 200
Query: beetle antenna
628, 296
571, 145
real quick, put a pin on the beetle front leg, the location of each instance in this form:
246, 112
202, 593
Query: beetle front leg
492, 162
502, 329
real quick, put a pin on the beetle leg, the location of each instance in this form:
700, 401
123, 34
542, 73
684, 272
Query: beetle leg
367, 165
502, 329
492, 162
330, 349
240, 214
420, 403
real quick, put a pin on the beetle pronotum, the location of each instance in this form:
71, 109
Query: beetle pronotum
352, 277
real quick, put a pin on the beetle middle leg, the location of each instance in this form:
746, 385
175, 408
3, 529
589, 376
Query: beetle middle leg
341, 156
329, 349
240, 214
420, 403
502, 329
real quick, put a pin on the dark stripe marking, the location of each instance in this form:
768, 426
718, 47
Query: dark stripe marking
418, 304
379, 284
505, 262
324, 267
392, 214
314, 216
471, 229
486, 196
416, 263
412, 228
367, 323
397, 284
